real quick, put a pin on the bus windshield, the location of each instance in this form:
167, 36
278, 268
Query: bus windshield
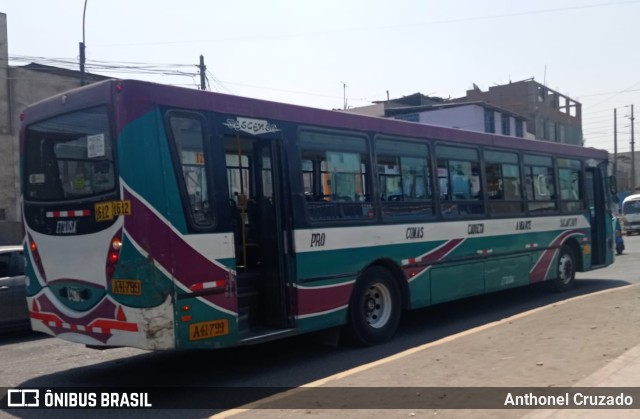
631, 207
69, 157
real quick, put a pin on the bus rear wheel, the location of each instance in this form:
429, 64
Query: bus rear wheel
374, 309
566, 273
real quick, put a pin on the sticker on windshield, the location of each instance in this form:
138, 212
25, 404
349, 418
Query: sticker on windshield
95, 146
36, 179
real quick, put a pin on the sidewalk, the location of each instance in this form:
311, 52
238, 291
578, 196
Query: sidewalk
621, 372
588, 341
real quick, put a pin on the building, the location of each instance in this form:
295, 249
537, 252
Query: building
19, 87
623, 172
473, 116
550, 115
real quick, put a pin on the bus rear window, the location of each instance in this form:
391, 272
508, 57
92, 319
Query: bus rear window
69, 157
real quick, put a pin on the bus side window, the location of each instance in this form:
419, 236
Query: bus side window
187, 130
404, 178
459, 181
502, 171
336, 176
571, 182
540, 183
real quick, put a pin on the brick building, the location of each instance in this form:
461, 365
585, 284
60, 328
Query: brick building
550, 115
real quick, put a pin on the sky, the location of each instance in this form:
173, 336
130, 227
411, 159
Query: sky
319, 53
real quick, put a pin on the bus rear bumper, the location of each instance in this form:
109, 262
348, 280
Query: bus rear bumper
107, 324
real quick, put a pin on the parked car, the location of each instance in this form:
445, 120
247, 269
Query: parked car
14, 313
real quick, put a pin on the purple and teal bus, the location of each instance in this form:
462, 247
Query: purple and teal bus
159, 217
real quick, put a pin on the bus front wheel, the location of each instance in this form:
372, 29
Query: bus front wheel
374, 309
566, 274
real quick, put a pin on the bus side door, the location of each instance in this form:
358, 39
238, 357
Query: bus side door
601, 225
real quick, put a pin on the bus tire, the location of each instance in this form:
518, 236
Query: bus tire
374, 309
566, 270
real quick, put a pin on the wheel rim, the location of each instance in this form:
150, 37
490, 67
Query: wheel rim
565, 268
377, 305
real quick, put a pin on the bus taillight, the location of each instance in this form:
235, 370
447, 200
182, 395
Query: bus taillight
113, 254
36, 257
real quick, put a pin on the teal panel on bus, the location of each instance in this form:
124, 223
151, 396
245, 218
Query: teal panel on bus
450, 282
200, 328
132, 265
146, 166
332, 262
227, 262
469, 266
507, 272
77, 296
420, 290
33, 286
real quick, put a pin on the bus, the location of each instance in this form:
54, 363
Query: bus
160, 217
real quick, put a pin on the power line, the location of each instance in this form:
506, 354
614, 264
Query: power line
191, 71
376, 28
616, 94
113, 66
218, 83
142, 68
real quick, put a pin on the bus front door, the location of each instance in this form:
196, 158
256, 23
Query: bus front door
274, 235
257, 188
601, 224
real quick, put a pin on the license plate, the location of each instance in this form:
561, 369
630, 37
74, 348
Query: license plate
210, 329
106, 211
126, 286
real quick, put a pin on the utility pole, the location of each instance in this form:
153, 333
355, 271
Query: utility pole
82, 47
615, 146
633, 156
82, 58
202, 67
344, 94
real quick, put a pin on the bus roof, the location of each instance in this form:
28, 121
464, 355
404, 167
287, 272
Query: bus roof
635, 197
142, 96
